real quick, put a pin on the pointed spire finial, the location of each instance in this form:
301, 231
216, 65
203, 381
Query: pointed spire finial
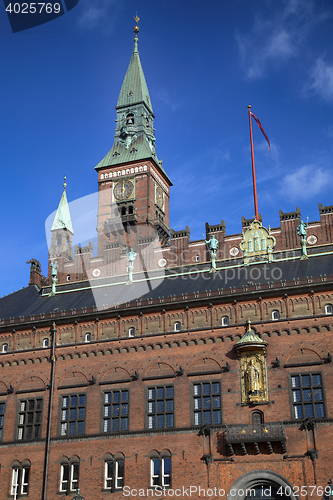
136, 31
248, 325
65, 183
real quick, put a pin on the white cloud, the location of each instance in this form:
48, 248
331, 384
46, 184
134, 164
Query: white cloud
274, 40
93, 13
322, 80
306, 182
165, 96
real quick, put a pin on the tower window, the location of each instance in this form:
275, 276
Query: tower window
275, 315
160, 468
130, 119
130, 210
131, 332
197, 258
307, 396
87, 337
20, 480
69, 474
68, 277
328, 309
160, 407
225, 321
177, 326
46, 343
207, 403
114, 473
257, 418
30, 413
115, 411
123, 210
4, 348
72, 415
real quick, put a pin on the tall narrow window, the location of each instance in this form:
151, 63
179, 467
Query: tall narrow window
160, 468
30, 413
257, 418
4, 348
160, 407
328, 309
69, 474
87, 337
307, 396
207, 403
46, 343
115, 411
20, 479
275, 315
2, 418
73, 412
114, 472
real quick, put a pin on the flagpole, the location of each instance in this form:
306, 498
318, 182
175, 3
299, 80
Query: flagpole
253, 169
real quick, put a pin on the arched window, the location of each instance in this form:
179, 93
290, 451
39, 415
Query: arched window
275, 315
131, 332
20, 478
328, 309
257, 418
197, 258
114, 472
87, 337
160, 468
225, 321
177, 326
4, 348
123, 210
69, 474
68, 277
46, 343
130, 119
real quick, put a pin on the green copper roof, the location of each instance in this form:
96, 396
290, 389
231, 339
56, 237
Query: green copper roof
134, 88
62, 219
250, 337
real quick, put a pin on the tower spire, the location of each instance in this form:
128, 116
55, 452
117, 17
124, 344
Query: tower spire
62, 228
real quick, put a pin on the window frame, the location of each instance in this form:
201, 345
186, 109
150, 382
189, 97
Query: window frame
46, 341
110, 417
160, 458
68, 420
19, 481
114, 477
201, 410
177, 326
329, 313
4, 348
303, 402
71, 464
87, 339
23, 424
131, 332
275, 312
154, 414
225, 321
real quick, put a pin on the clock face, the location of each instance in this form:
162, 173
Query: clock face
159, 197
123, 189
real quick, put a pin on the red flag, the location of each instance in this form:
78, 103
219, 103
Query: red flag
262, 130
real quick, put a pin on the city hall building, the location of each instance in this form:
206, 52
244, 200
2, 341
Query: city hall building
160, 366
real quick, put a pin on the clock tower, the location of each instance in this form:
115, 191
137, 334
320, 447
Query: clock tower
134, 189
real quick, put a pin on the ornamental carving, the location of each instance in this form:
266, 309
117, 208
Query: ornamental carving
257, 243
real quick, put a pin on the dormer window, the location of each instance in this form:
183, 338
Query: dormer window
130, 119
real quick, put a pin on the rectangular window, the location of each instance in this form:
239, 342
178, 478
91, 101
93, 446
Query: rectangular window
160, 472
72, 416
207, 403
307, 396
2, 418
69, 479
160, 407
115, 411
20, 481
114, 475
30, 413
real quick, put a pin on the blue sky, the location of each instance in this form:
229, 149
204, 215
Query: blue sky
204, 62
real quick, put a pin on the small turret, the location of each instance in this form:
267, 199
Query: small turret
62, 230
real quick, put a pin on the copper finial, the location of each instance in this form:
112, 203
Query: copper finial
65, 183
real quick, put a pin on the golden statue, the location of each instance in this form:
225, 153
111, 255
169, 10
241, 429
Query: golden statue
252, 377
